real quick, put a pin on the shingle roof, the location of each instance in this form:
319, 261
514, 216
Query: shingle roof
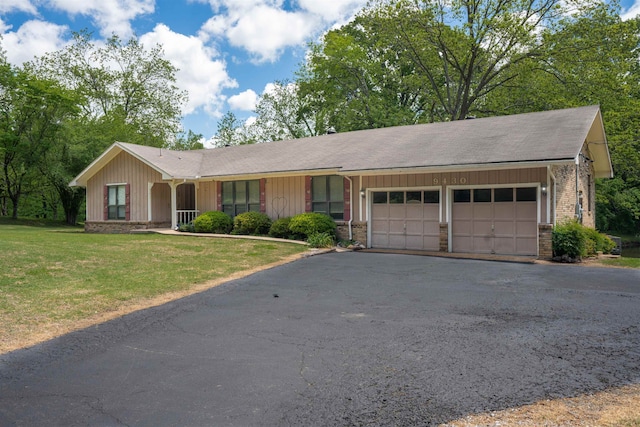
534, 137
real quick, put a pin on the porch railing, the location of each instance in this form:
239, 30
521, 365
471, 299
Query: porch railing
186, 216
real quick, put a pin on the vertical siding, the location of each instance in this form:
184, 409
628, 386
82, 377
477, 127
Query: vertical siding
206, 196
285, 196
123, 169
161, 202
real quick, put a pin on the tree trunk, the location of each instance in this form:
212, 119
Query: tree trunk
71, 199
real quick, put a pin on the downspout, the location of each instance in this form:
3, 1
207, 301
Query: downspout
350, 206
578, 207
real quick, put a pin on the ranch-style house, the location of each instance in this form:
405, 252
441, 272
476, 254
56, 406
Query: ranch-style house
489, 185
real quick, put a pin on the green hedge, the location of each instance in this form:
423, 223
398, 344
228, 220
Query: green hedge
305, 224
576, 241
213, 222
251, 223
280, 228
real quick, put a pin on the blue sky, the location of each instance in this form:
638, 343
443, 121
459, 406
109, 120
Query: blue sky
228, 51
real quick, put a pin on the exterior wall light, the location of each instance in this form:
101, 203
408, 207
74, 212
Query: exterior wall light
362, 192
543, 189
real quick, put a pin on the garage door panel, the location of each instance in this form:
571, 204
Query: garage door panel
380, 226
397, 241
504, 211
431, 243
414, 227
414, 211
504, 227
414, 242
380, 211
430, 228
397, 211
462, 211
379, 240
526, 211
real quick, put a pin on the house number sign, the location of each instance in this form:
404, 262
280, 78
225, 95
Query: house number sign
450, 181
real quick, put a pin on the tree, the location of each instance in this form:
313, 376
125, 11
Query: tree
122, 82
187, 141
284, 113
126, 93
32, 111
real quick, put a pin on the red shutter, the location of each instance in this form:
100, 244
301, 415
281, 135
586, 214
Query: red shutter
307, 194
347, 200
219, 195
105, 215
127, 201
263, 195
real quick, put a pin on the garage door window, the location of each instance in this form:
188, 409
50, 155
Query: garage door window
526, 194
396, 197
414, 197
432, 197
482, 195
503, 195
461, 196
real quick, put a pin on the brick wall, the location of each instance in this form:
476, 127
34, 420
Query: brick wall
358, 230
545, 250
566, 190
444, 237
118, 227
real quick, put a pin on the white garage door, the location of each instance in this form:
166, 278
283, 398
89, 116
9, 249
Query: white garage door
495, 220
405, 220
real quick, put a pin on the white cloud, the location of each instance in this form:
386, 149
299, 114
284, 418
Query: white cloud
111, 16
632, 11
263, 28
17, 6
245, 101
33, 38
202, 75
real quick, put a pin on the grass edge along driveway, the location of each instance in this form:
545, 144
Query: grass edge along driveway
55, 280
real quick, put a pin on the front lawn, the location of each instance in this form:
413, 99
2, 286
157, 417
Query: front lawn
54, 279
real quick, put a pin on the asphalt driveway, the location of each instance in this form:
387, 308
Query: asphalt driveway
344, 339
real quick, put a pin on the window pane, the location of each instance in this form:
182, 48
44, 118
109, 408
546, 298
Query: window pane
336, 188
432, 197
241, 192
337, 210
482, 195
241, 208
396, 197
503, 194
121, 212
461, 196
112, 212
526, 194
121, 195
254, 207
227, 193
319, 188
414, 196
228, 209
380, 197
113, 191
254, 191
320, 207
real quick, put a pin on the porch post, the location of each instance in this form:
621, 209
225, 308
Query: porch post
174, 205
149, 204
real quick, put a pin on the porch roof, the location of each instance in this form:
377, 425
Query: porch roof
542, 137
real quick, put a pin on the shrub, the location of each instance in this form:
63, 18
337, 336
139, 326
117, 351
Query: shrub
569, 239
320, 240
280, 228
213, 222
575, 240
187, 228
305, 224
598, 241
254, 223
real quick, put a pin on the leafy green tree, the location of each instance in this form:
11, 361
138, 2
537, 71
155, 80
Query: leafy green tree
231, 131
283, 113
32, 111
187, 141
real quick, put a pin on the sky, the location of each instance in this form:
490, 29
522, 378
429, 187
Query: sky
227, 51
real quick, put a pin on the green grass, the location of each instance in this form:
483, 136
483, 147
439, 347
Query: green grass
53, 274
622, 262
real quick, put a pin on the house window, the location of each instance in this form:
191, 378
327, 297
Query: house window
117, 202
240, 196
328, 195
